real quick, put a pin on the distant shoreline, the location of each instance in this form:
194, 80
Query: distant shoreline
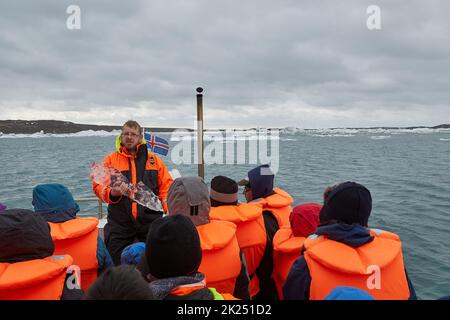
66, 127
58, 127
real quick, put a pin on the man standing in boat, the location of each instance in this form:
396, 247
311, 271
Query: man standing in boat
128, 221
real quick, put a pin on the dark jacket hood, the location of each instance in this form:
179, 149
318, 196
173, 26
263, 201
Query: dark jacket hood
353, 235
161, 287
54, 202
24, 236
261, 181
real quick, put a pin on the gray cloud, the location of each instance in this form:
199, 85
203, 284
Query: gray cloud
268, 63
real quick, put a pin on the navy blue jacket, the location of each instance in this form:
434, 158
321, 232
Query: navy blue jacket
104, 259
298, 282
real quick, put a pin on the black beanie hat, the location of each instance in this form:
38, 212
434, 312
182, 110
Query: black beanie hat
173, 247
224, 191
349, 203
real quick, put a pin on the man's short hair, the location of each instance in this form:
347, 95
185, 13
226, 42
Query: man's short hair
132, 124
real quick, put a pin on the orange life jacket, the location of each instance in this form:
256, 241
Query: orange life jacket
78, 237
286, 249
251, 234
155, 173
280, 203
185, 290
376, 267
221, 262
39, 279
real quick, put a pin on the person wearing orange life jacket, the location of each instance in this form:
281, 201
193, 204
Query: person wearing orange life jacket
250, 233
28, 268
345, 252
128, 221
71, 235
259, 188
288, 241
223, 263
172, 259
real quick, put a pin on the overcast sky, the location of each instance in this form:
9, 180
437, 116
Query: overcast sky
308, 64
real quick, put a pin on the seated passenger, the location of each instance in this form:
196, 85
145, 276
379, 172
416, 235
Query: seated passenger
259, 188
288, 241
71, 235
345, 252
172, 258
249, 221
28, 268
223, 263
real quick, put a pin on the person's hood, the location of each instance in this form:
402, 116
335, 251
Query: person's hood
304, 219
161, 288
24, 236
348, 293
353, 235
261, 181
132, 254
189, 196
54, 202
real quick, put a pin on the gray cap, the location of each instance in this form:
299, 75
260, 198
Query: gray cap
189, 196
244, 182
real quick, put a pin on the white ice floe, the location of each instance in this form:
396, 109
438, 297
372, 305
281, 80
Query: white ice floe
239, 134
42, 134
338, 132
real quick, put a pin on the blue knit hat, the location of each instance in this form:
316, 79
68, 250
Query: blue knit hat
132, 253
54, 202
348, 293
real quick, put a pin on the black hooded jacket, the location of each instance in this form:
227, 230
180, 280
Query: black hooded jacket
25, 236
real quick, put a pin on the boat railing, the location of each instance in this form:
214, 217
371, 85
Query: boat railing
92, 199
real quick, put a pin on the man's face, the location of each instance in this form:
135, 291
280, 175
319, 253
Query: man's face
248, 194
130, 137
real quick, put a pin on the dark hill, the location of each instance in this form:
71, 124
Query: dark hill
55, 126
